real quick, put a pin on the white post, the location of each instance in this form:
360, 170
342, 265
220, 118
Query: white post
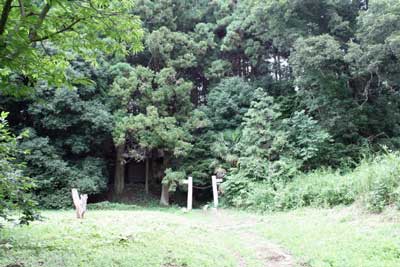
190, 194
215, 190
215, 183
189, 182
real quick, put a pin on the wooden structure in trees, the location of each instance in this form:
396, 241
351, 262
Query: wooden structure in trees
79, 202
129, 171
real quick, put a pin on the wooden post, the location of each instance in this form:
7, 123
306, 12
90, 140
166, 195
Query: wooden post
189, 182
215, 182
190, 194
79, 202
146, 183
215, 190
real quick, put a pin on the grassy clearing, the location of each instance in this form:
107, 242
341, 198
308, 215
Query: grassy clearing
341, 237
152, 237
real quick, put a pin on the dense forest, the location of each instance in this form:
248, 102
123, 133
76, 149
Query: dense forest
260, 92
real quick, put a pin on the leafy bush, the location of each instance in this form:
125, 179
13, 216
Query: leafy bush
306, 138
375, 182
378, 197
380, 179
55, 176
321, 188
271, 151
15, 187
236, 191
396, 196
173, 178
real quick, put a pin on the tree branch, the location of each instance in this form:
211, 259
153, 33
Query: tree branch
45, 49
42, 16
22, 8
4, 15
66, 28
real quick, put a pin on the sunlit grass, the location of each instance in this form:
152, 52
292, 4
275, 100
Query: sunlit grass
340, 237
164, 237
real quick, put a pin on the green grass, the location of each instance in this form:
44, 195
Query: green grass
340, 237
375, 182
163, 237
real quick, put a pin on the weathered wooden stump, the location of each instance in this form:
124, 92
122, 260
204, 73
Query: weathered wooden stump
79, 202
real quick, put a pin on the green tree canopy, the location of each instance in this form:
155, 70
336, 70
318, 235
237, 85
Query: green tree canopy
38, 37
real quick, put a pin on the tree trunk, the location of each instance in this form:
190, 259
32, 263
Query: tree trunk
119, 177
33, 30
164, 200
4, 15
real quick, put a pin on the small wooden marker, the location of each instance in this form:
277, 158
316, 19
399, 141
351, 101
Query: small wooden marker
79, 202
215, 189
190, 193
189, 182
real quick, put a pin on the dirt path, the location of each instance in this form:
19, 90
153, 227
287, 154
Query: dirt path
270, 254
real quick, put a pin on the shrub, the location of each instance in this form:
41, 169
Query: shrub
15, 187
378, 197
376, 181
55, 176
272, 151
321, 188
236, 191
396, 196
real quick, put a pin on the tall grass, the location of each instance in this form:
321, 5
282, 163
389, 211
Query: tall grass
375, 183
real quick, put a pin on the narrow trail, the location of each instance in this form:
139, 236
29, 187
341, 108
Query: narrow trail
266, 252
271, 255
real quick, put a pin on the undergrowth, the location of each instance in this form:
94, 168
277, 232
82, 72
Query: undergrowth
375, 183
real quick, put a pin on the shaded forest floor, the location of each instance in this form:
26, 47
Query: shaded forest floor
134, 236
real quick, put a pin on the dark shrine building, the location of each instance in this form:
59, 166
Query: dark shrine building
135, 172
147, 172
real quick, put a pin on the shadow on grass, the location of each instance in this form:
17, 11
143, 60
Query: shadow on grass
106, 205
